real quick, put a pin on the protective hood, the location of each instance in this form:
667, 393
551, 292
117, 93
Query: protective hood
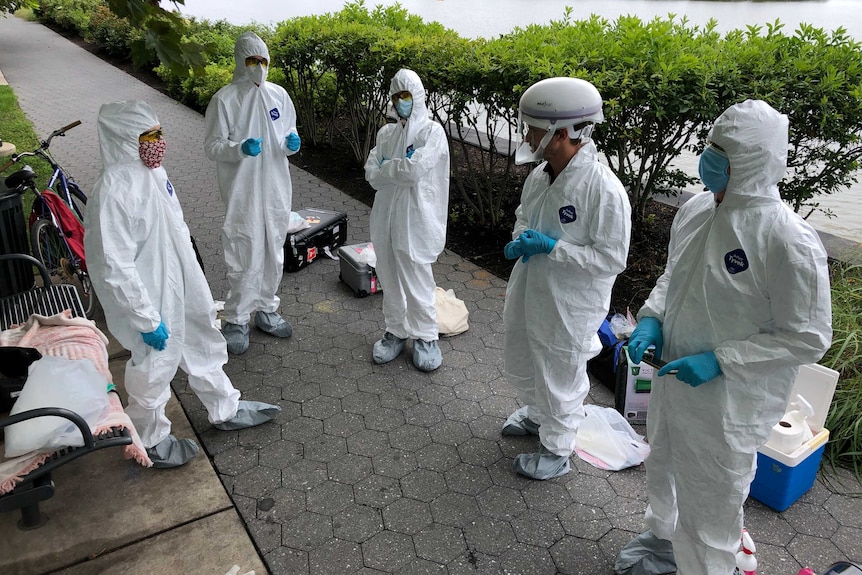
248, 44
408, 80
754, 136
120, 124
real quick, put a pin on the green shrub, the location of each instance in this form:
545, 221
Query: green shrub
845, 356
108, 31
72, 15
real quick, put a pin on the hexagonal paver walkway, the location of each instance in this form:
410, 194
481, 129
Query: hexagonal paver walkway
385, 469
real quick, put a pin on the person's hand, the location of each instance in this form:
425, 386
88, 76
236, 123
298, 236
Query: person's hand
513, 250
156, 339
410, 153
533, 242
694, 369
293, 141
646, 333
251, 147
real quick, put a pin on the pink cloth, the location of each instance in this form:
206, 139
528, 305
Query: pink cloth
73, 338
62, 335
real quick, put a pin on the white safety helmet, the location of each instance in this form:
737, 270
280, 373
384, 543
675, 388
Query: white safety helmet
553, 104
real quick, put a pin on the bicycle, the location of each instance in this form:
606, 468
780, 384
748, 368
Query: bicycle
56, 229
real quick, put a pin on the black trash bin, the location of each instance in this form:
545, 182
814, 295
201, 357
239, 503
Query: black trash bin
15, 276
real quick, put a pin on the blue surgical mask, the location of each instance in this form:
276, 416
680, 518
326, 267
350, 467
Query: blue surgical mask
404, 107
712, 168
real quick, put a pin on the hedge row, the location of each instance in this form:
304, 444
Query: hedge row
664, 82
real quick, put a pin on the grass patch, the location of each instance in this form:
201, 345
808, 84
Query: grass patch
17, 129
845, 356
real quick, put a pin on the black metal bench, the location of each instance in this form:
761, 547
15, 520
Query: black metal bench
47, 299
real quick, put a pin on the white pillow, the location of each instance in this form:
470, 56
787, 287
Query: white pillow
75, 385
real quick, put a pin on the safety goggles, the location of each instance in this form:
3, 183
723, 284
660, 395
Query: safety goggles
256, 61
405, 95
719, 149
151, 135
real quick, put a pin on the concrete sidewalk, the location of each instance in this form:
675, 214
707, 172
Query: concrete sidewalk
369, 469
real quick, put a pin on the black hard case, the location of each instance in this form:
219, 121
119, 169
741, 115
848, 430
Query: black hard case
328, 229
359, 276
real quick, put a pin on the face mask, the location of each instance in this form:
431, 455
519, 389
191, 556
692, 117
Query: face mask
152, 153
257, 74
712, 168
404, 107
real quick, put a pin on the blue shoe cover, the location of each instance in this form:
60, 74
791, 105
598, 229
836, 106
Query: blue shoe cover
646, 554
273, 324
427, 355
387, 348
172, 452
542, 465
519, 424
236, 337
249, 414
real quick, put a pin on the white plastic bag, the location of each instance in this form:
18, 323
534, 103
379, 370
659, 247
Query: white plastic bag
297, 223
52, 381
607, 441
452, 314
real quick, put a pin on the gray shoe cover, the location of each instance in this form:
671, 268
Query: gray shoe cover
519, 424
387, 348
542, 465
236, 337
249, 414
427, 355
273, 324
172, 452
646, 554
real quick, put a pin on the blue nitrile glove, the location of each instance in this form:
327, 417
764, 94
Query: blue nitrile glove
293, 141
533, 242
694, 369
513, 250
646, 333
381, 162
251, 147
410, 153
156, 339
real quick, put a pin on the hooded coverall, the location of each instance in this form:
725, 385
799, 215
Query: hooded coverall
410, 212
257, 191
144, 270
747, 279
555, 303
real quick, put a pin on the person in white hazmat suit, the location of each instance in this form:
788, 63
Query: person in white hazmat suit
571, 239
744, 301
250, 132
409, 169
156, 299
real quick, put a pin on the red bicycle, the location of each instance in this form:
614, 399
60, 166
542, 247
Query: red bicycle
56, 228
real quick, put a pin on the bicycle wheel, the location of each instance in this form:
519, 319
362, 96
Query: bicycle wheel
51, 249
48, 245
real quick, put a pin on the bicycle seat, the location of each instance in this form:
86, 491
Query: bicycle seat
21, 177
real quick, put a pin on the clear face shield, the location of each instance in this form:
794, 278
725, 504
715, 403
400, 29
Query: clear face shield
525, 153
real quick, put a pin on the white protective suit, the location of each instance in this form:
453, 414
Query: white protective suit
257, 191
555, 303
410, 212
144, 270
747, 279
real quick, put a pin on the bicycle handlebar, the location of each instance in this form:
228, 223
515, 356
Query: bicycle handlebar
44, 146
69, 127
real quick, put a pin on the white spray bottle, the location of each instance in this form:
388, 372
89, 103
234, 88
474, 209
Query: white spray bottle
746, 562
